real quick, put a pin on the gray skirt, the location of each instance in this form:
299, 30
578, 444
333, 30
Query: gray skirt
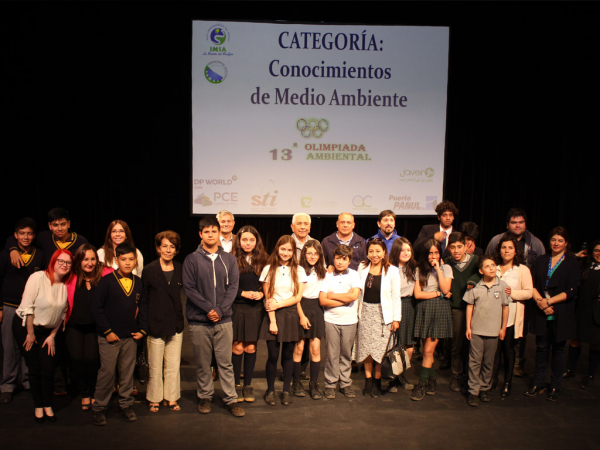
434, 319
373, 334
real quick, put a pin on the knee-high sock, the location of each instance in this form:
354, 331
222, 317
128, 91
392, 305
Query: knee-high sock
237, 366
314, 370
249, 363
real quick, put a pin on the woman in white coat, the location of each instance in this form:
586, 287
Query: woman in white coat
379, 312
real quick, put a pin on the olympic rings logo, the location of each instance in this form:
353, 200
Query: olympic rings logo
312, 127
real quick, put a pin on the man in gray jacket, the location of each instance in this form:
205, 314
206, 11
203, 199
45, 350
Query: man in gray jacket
210, 281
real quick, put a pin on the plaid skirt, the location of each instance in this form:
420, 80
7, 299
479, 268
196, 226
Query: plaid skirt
434, 319
406, 332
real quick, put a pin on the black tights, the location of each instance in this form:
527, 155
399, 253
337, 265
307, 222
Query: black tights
287, 362
506, 349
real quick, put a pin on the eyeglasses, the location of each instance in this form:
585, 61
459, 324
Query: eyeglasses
62, 262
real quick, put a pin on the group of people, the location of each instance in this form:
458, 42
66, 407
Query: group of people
441, 297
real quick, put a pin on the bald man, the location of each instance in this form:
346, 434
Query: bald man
345, 235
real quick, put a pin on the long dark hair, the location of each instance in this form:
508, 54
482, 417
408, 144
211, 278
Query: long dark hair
78, 271
411, 265
109, 253
385, 263
589, 260
424, 265
258, 257
319, 267
273, 263
519, 255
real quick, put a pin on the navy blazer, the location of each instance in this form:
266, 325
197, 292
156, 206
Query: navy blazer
165, 312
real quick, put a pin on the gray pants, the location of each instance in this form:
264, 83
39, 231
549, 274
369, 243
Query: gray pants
205, 339
338, 365
121, 354
481, 362
14, 369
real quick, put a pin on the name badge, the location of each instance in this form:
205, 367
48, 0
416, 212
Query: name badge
137, 297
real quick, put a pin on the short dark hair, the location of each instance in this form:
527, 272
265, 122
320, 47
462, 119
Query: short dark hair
444, 206
25, 222
562, 231
385, 213
57, 214
469, 229
124, 248
208, 222
516, 212
456, 237
169, 235
343, 251
483, 259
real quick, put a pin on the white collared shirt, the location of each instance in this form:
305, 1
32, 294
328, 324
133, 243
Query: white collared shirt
227, 244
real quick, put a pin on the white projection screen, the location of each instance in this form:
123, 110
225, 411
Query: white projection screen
320, 119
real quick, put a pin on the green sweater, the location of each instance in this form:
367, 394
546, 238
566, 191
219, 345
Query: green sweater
468, 275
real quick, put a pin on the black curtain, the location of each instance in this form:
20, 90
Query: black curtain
95, 111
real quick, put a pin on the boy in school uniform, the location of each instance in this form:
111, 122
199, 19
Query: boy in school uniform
338, 296
487, 314
121, 314
465, 269
12, 285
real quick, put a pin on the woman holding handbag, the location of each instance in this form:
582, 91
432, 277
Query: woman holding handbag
379, 312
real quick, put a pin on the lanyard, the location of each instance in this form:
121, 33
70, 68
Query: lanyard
552, 269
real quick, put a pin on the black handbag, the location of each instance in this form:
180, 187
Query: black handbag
141, 365
395, 361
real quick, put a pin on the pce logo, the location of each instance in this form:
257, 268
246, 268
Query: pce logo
312, 127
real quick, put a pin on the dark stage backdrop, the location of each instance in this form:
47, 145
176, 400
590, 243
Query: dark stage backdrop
95, 112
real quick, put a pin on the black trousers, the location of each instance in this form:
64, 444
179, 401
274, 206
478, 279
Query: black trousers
82, 344
39, 362
506, 350
548, 349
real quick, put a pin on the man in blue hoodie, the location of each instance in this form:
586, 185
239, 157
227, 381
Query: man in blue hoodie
387, 228
210, 281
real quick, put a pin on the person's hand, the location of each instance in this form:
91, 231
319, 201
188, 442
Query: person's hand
582, 254
508, 291
468, 334
273, 328
469, 287
435, 264
502, 334
539, 303
112, 337
272, 305
213, 316
16, 260
258, 295
29, 341
50, 343
137, 336
0, 316
448, 295
330, 269
470, 247
395, 326
439, 236
549, 311
305, 323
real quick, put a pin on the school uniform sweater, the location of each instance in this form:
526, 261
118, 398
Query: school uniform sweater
463, 276
46, 241
13, 280
115, 308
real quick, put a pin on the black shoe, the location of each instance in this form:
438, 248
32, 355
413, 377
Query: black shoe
445, 365
418, 392
586, 382
392, 387
534, 390
505, 392
473, 400
348, 392
286, 398
99, 418
129, 414
329, 393
40, 419
376, 391
239, 390
6, 397
568, 374
270, 398
431, 385
303, 376
484, 396
298, 389
552, 395
51, 418
236, 410
455, 384
248, 394
314, 391
404, 383
204, 405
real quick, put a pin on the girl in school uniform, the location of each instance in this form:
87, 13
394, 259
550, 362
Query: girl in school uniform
283, 284
248, 311
312, 260
118, 232
433, 320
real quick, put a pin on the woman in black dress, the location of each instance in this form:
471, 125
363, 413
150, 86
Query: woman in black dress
248, 311
587, 325
556, 278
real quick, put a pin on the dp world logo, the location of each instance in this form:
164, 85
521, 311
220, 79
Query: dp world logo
218, 34
312, 127
215, 72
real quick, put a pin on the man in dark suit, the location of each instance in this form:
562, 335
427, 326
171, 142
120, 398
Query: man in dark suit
446, 212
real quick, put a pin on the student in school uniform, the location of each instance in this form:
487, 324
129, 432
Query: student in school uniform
12, 285
487, 314
121, 314
283, 284
339, 296
118, 232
